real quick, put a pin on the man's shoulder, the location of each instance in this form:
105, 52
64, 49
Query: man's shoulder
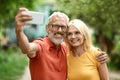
64, 46
40, 40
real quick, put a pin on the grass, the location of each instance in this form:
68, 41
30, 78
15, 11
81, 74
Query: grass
12, 64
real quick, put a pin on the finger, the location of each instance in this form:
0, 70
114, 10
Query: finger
102, 58
23, 15
102, 62
25, 18
101, 55
21, 20
22, 9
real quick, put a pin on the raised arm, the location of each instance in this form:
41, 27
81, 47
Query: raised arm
28, 48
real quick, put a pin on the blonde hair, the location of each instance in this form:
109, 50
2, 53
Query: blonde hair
82, 27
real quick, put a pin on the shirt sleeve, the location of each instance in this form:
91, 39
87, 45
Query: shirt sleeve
96, 52
37, 42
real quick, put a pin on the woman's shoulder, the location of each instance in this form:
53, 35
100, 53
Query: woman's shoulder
94, 50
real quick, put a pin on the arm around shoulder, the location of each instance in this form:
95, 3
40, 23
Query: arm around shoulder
103, 71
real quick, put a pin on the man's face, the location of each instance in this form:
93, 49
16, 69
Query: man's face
57, 30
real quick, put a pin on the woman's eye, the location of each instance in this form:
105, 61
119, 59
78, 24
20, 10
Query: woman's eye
77, 33
69, 34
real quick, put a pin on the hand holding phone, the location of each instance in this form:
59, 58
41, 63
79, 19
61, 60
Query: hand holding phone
37, 17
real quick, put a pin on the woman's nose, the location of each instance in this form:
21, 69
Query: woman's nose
73, 35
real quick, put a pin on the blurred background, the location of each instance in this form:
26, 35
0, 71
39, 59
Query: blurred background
102, 16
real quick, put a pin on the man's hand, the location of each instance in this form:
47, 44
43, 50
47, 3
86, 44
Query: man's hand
102, 57
20, 19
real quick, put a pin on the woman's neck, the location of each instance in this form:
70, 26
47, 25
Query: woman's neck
78, 51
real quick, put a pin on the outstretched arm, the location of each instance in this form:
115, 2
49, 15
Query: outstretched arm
29, 48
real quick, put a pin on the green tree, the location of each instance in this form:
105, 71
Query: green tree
8, 10
102, 16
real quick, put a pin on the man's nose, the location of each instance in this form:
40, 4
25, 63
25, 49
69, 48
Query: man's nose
59, 29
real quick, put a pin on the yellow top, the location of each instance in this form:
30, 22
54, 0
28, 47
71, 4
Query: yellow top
83, 67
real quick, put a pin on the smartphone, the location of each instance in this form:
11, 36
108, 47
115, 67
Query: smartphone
37, 17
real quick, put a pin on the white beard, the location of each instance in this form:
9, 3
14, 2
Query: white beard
55, 41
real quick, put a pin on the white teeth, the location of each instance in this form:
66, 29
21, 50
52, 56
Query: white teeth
58, 35
74, 40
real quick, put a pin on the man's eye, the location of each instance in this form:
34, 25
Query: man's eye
63, 27
55, 26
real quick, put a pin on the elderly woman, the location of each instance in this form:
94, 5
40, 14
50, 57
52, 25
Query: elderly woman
81, 59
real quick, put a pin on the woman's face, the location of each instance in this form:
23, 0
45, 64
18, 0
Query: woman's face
74, 37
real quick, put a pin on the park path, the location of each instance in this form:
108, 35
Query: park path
113, 75
26, 75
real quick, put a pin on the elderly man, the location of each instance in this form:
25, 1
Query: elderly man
47, 56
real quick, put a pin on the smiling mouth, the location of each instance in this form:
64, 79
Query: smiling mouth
74, 41
59, 35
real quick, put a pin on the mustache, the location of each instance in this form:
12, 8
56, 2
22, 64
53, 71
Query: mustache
59, 33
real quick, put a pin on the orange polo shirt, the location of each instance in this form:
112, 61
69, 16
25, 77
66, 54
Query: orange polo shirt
49, 64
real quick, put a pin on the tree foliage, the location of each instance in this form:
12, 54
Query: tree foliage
9, 8
102, 15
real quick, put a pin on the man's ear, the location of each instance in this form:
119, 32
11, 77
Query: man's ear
47, 28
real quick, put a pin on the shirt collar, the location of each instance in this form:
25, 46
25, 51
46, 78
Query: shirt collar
51, 44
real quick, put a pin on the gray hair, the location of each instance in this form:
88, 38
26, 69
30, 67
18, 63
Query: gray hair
59, 14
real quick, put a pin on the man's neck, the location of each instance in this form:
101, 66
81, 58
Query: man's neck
58, 47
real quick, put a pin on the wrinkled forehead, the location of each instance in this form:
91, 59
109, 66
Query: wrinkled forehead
58, 20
